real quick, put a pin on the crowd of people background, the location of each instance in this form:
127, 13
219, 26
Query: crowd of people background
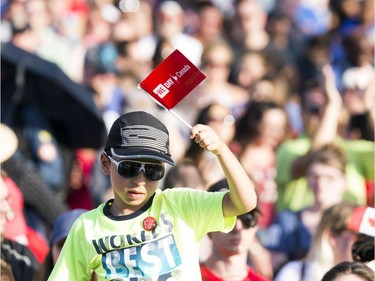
289, 87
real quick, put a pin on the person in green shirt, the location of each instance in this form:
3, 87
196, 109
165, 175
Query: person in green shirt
322, 113
144, 233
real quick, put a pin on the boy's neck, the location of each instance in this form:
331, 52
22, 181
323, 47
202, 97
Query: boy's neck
121, 209
116, 211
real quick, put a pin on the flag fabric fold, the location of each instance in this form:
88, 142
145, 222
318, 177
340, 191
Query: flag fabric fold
172, 80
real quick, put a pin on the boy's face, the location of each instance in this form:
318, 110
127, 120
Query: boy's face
132, 192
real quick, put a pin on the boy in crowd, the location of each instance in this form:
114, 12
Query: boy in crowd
145, 233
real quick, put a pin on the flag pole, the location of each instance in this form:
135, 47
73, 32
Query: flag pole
170, 110
180, 118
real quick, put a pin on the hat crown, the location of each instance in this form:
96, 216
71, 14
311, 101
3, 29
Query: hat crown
133, 136
139, 134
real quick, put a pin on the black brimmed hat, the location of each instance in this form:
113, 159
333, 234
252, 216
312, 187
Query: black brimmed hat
139, 134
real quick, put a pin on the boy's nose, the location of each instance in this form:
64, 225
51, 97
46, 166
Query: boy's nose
141, 177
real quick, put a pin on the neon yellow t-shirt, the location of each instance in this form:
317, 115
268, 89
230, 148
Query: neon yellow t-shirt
119, 248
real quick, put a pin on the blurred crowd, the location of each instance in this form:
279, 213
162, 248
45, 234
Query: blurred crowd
289, 87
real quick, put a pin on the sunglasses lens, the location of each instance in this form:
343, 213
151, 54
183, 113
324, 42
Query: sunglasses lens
248, 220
129, 169
154, 171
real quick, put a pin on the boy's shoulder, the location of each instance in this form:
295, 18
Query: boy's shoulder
181, 192
93, 213
187, 197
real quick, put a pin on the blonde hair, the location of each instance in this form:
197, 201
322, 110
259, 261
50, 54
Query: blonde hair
320, 256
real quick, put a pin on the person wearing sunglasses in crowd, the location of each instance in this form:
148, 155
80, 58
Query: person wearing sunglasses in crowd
145, 233
229, 257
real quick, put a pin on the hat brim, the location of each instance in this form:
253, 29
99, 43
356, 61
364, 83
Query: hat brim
127, 153
9, 143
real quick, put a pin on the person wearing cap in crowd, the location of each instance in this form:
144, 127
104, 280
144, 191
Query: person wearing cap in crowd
145, 233
34, 206
17, 227
18, 257
59, 232
228, 259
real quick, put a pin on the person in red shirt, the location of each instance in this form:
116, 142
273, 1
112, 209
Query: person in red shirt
228, 259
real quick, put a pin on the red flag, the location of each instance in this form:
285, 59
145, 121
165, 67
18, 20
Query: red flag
173, 79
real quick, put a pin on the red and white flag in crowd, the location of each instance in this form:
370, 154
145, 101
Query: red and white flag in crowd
363, 220
173, 79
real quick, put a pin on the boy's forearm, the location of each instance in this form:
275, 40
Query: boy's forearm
242, 197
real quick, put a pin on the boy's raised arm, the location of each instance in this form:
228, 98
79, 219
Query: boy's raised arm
241, 197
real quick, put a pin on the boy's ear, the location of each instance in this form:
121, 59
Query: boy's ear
105, 163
